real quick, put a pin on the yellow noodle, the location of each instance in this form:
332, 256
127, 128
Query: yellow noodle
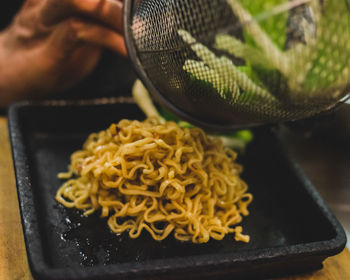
159, 178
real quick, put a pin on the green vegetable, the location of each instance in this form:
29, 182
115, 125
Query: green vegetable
237, 140
245, 135
318, 68
184, 124
237, 48
330, 62
221, 72
313, 71
144, 101
171, 117
275, 25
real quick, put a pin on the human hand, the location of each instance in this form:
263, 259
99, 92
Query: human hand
53, 44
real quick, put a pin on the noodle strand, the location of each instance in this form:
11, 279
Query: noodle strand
159, 178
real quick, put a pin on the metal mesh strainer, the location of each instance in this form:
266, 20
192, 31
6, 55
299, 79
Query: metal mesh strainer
228, 63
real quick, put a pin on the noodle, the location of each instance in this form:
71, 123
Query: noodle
159, 178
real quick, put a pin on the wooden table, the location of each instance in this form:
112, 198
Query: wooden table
13, 259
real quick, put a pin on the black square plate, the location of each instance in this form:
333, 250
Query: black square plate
291, 229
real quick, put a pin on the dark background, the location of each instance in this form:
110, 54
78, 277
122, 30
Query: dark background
7, 11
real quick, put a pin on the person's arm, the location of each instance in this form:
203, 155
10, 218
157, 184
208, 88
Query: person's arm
53, 44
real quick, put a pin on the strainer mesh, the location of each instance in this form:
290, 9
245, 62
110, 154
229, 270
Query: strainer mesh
245, 61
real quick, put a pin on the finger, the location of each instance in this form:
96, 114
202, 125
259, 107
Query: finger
63, 40
100, 36
65, 50
108, 12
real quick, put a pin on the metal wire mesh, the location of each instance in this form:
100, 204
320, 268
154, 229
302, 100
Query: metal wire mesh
244, 61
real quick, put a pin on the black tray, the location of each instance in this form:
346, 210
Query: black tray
291, 229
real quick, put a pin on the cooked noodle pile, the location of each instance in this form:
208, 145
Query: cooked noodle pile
161, 178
